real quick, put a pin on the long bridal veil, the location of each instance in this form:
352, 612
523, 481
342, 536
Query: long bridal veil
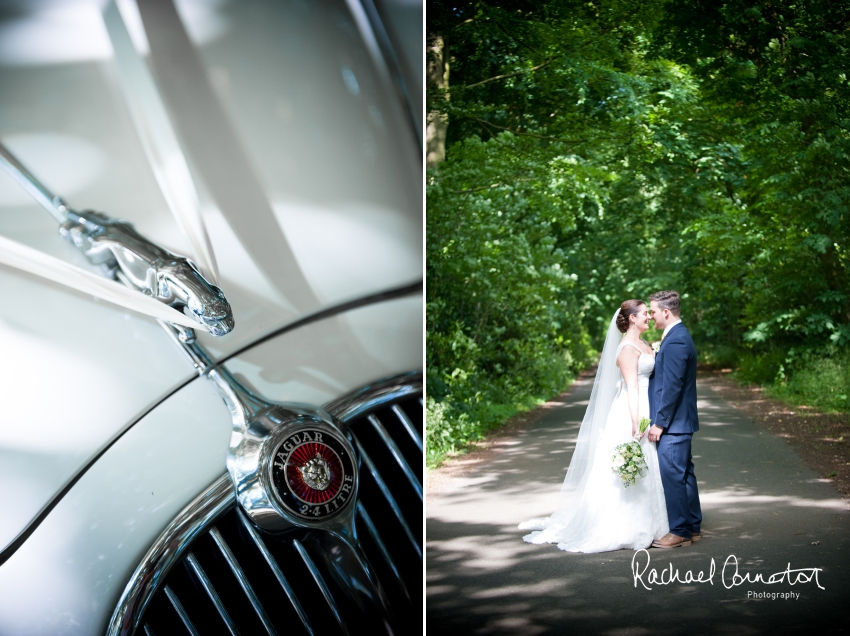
605, 388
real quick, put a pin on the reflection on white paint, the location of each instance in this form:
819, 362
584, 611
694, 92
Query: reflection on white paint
319, 361
292, 389
234, 260
201, 18
341, 250
67, 33
65, 163
394, 337
55, 372
71, 31
350, 81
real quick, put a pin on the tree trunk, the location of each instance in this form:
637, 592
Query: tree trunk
437, 123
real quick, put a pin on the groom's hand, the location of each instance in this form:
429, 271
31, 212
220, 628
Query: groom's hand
654, 433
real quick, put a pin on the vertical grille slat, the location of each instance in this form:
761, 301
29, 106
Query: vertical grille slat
317, 577
396, 453
243, 580
385, 491
233, 577
272, 563
408, 425
211, 593
382, 548
178, 607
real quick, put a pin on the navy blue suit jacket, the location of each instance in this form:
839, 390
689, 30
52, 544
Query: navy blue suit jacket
673, 383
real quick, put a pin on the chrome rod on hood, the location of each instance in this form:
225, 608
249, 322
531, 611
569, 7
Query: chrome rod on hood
129, 257
51, 202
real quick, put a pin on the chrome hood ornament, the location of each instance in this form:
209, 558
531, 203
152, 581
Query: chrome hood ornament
129, 257
143, 265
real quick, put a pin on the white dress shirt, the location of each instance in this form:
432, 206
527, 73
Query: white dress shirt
669, 327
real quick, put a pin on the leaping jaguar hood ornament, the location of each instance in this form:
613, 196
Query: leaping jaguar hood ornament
129, 257
143, 265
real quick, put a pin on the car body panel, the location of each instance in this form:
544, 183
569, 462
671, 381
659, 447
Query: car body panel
68, 575
333, 163
66, 394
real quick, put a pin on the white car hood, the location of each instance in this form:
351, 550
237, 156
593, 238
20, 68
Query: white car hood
332, 177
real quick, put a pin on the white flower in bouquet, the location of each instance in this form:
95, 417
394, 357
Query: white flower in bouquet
628, 462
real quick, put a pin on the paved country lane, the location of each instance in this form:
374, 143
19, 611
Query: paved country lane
760, 503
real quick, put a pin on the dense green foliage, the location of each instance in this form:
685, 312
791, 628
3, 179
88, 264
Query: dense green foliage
599, 151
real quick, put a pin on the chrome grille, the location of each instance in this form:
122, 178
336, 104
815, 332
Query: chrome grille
233, 578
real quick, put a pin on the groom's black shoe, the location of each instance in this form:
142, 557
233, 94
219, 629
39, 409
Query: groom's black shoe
670, 540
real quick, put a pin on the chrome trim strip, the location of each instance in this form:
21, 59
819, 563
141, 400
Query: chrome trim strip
396, 452
317, 577
213, 595
363, 562
407, 424
386, 492
334, 310
290, 594
356, 403
27, 180
382, 548
243, 580
148, 630
166, 551
178, 607
393, 68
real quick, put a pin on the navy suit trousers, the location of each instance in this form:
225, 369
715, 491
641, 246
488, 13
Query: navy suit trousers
680, 483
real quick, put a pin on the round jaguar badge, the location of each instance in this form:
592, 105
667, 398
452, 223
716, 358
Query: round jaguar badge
313, 473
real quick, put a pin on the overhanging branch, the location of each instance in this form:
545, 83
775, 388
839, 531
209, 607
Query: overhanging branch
506, 76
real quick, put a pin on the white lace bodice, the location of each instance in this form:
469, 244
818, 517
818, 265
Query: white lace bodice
646, 362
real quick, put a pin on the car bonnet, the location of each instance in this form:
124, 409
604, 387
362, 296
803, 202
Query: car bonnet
308, 176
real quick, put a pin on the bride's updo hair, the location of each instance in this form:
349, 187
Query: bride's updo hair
627, 309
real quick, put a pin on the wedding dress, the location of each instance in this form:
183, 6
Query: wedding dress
597, 513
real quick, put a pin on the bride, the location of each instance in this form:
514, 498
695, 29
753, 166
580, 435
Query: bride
596, 513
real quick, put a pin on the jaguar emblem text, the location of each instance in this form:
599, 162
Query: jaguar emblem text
313, 474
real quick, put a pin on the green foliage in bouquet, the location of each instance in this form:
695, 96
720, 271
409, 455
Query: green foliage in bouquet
628, 462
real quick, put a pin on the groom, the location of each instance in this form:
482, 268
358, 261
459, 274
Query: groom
673, 411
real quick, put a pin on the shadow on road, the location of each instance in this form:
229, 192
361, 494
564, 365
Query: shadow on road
760, 503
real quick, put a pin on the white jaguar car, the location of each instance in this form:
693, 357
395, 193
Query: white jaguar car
210, 317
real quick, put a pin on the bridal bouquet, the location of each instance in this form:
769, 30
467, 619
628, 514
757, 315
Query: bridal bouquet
628, 462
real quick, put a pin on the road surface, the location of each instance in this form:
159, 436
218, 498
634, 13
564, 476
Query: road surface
761, 507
